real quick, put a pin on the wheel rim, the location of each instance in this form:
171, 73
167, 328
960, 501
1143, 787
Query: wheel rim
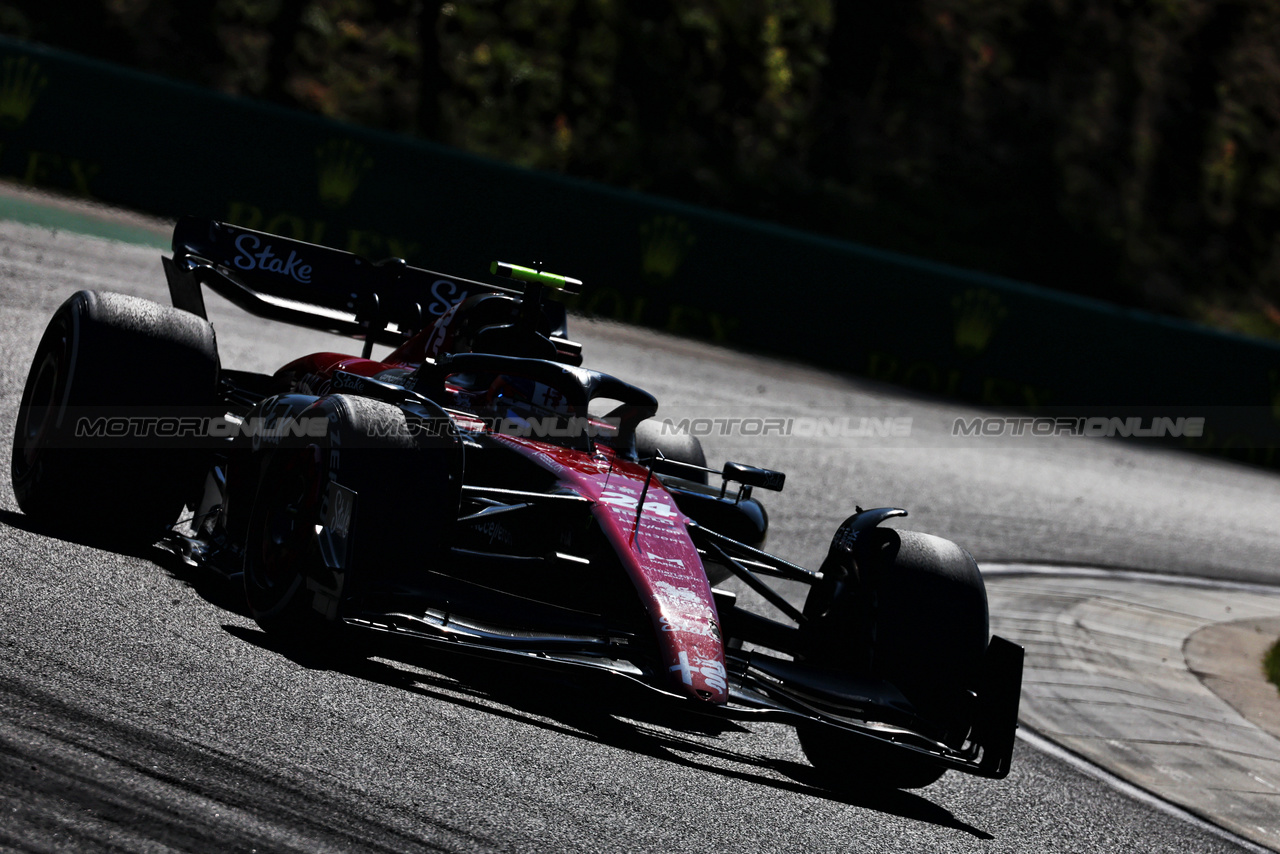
38, 412
286, 536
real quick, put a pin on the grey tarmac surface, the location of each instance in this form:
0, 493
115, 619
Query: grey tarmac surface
1134, 673
142, 710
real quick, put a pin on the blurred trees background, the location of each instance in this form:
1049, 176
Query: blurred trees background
1124, 149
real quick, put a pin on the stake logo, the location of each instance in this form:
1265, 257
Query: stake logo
340, 507
266, 259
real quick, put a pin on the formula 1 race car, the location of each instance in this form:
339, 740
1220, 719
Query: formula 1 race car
479, 490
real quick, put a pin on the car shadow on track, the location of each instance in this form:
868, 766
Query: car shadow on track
207, 584
210, 586
105, 542
519, 694
629, 723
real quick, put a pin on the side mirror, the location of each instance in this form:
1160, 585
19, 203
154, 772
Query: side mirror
752, 476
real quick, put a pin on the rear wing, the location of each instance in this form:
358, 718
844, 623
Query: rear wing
316, 287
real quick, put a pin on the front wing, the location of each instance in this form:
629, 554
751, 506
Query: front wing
761, 686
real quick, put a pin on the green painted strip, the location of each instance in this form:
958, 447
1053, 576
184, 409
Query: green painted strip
51, 215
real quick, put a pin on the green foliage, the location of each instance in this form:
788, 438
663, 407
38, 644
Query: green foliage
1129, 151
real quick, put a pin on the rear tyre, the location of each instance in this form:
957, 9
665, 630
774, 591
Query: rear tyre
361, 509
106, 358
676, 447
917, 618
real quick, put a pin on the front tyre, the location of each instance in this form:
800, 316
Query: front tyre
282, 552
914, 613
361, 508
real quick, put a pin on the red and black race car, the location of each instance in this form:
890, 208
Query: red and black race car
477, 490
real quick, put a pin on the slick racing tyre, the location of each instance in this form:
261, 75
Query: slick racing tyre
86, 459
917, 618
342, 513
676, 447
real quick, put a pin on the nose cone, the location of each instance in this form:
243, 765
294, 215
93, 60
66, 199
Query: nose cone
701, 677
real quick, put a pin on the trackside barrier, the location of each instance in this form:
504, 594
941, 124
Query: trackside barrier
129, 139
